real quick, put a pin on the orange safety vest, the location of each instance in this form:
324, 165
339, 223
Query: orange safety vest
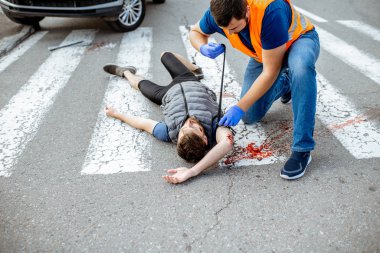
300, 25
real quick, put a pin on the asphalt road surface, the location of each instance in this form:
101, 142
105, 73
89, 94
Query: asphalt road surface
73, 180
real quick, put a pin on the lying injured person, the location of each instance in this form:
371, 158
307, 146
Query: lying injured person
190, 114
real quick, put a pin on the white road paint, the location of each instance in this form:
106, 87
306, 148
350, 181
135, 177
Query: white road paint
212, 69
366, 64
116, 147
21, 117
16, 53
310, 15
352, 128
361, 27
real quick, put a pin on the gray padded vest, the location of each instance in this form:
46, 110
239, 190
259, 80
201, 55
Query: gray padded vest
201, 103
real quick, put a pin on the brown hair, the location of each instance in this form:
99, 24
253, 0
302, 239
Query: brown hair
224, 10
192, 147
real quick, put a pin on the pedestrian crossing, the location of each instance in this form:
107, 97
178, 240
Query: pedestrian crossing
21, 117
117, 148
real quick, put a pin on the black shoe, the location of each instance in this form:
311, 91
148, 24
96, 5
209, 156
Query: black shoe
286, 97
198, 73
117, 70
296, 166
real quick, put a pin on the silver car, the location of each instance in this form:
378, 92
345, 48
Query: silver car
122, 15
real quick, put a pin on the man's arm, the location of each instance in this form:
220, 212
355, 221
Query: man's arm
140, 123
224, 145
272, 62
197, 37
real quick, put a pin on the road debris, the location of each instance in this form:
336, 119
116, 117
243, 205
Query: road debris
67, 45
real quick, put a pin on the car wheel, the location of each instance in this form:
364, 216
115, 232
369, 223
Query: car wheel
23, 20
158, 1
131, 16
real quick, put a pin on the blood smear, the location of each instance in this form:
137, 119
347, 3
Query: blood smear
275, 142
249, 152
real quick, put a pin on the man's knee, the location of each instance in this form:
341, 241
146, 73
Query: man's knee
300, 68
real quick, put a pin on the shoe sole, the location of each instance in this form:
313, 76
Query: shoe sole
199, 77
299, 175
132, 69
198, 73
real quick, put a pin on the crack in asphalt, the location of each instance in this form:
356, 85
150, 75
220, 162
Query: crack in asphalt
216, 214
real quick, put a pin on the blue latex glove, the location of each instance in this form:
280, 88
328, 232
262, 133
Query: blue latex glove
232, 116
212, 50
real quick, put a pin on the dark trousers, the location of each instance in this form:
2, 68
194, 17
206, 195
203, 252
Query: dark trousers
178, 72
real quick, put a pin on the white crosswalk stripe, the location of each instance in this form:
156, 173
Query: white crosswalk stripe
19, 50
311, 15
22, 116
116, 147
366, 64
362, 28
246, 136
352, 128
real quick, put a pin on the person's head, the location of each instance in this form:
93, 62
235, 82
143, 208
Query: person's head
192, 140
232, 15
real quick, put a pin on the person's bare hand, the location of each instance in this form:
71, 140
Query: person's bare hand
110, 111
178, 175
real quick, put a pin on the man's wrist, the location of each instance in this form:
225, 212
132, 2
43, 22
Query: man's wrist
241, 110
117, 115
241, 107
194, 171
201, 49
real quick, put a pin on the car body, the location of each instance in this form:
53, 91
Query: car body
122, 15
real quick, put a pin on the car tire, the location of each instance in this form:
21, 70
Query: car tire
23, 20
158, 1
131, 16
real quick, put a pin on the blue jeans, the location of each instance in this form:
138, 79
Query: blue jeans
298, 75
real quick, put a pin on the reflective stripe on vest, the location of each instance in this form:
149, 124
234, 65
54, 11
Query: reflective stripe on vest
300, 25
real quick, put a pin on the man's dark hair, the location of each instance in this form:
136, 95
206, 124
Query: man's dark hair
224, 10
192, 148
